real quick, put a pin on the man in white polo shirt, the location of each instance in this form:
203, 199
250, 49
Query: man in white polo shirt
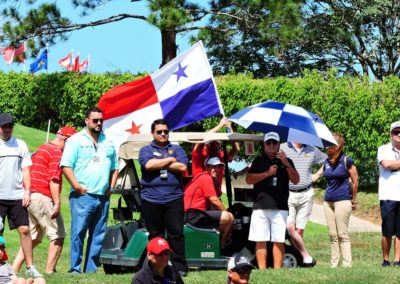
301, 195
389, 194
14, 176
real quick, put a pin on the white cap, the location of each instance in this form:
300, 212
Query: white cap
394, 125
213, 161
272, 135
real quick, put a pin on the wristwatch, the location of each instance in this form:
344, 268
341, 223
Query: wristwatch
28, 192
288, 165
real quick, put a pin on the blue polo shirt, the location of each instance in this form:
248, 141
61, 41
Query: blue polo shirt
91, 165
338, 179
156, 189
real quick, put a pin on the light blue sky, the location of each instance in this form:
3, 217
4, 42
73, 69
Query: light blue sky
129, 45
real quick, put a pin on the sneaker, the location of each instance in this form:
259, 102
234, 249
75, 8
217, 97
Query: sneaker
32, 271
396, 263
311, 264
385, 263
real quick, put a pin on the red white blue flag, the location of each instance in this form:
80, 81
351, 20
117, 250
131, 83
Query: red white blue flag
66, 62
182, 92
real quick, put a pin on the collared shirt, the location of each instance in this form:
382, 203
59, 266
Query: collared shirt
155, 188
14, 156
303, 160
91, 165
198, 191
148, 275
389, 181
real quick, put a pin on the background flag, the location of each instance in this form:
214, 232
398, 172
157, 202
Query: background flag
182, 92
40, 63
75, 67
66, 62
14, 55
84, 66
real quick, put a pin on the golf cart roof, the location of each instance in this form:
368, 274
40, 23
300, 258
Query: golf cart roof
131, 147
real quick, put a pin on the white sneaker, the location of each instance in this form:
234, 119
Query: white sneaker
32, 271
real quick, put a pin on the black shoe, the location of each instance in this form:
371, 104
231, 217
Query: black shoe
311, 264
183, 273
396, 263
385, 263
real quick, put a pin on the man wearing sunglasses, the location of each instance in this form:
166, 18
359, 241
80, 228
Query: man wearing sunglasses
239, 270
89, 162
157, 269
200, 194
270, 174
389, 194
163, 164
15, 185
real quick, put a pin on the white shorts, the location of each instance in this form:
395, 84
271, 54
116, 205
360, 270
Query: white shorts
300, 207
268, 225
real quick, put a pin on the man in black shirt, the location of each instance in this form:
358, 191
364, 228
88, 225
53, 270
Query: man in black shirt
270, 174
157, 269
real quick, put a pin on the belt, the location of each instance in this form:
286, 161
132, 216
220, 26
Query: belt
300, 190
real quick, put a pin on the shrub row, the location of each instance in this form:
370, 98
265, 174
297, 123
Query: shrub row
362, 111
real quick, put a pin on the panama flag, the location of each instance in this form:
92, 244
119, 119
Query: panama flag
14, 55
67, 61
182, 92
84, 66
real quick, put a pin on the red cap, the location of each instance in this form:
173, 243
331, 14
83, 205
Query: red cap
158, 245
66, 131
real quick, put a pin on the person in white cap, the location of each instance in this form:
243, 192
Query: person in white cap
239, 270
389, 194
200, 194
270, 174
15, 186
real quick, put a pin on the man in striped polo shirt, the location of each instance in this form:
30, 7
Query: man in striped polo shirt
301, 195
44, 210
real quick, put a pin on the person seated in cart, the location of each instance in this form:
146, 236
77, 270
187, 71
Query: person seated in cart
200, 194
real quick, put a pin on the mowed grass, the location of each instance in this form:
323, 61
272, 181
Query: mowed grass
365, 247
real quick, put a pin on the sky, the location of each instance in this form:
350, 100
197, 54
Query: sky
127, 46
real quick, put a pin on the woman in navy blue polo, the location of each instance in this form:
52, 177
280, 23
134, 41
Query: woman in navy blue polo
339, 200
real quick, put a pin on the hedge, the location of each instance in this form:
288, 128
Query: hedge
359, 109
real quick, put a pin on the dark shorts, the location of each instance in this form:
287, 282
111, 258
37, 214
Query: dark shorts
390, 213
17, 215
204, 219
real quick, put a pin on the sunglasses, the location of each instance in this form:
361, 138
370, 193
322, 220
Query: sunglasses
395, 133
166, 253
243, 270
271, 142
97, 120
159, 132
2, 248
9, 126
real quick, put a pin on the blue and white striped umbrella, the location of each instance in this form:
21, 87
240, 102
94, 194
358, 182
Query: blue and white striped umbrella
292, 123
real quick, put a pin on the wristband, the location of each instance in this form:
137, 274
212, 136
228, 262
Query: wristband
111, 189
288, 166
27, 192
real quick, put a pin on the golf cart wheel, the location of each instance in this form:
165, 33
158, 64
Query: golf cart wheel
116, 269
292, 258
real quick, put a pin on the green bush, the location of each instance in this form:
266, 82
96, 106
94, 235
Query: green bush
362, 111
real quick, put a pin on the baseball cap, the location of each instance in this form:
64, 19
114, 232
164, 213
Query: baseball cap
158, 245
272, 135
5, 256
394, 125
213, 161
238, 261
6, 118
66, 131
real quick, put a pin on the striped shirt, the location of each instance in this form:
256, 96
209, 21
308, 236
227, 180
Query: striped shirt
46, 168
303, 161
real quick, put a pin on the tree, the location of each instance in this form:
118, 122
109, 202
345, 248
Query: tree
45, 24
359, 37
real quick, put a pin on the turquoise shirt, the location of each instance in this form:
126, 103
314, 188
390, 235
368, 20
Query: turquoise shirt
91, 166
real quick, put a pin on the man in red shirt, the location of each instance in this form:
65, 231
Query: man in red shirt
213, 149
44, 210
200, 194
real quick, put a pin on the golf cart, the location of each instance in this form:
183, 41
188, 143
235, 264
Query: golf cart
124, 245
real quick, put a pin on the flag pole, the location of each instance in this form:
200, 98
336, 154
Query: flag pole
48, 131
88, 70
47, 64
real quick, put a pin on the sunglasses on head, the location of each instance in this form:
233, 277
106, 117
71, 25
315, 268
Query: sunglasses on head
271, 142
166, 252
395, 133
97, 120
165, 131
243, 270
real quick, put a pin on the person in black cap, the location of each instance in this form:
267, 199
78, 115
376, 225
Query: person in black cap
15, 185
239, 270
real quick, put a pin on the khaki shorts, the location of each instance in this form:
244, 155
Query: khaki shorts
40, 210
300, 207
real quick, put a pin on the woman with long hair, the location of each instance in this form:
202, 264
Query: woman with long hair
340, 198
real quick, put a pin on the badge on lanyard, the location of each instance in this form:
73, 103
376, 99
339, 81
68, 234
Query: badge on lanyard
96, 158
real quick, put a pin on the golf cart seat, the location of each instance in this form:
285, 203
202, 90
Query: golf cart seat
209, 228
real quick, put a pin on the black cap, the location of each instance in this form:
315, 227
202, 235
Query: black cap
238, 261
6, 118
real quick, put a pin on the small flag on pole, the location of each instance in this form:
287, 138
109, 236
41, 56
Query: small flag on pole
40, 63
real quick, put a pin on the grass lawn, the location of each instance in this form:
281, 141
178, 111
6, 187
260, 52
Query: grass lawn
365, 247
